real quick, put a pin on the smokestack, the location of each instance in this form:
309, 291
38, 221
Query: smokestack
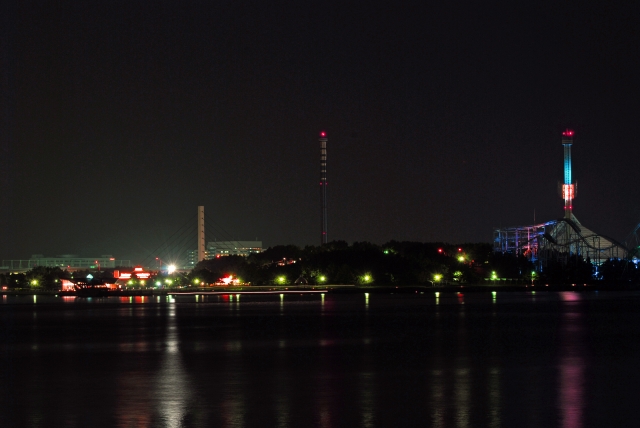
201, 253
323, 184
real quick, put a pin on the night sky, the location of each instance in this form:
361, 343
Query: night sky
444, 120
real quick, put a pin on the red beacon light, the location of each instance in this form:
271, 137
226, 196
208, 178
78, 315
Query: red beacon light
568, 133
323, 134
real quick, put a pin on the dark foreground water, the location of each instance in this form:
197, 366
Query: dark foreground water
473, 360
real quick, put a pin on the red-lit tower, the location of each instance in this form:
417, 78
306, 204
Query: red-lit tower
323, 184
568, 188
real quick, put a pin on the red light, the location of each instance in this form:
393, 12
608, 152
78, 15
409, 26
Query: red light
459, 250
323, 134
439, 250
568, 133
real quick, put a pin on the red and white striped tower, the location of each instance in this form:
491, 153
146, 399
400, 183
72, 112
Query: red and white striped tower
323, 184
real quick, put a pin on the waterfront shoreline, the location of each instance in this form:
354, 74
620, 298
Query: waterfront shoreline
348, 289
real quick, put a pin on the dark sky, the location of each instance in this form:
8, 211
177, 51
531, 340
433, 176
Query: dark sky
444, 120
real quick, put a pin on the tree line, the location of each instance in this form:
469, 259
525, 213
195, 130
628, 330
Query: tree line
393, 263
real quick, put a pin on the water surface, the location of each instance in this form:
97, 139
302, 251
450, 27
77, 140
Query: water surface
506, 359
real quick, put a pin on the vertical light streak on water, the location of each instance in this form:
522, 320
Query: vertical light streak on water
282, 403
495, 409
571, 401
281, 303
34, 299
324, 415
437, 297
494, 295
197, 298
4, 298
234, 383
172, 385
462, 379
322, 303
366, 301
282, 393
237, 302
462, 395
367, 403
437, 404
437, 384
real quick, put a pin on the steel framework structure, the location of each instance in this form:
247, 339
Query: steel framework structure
556, 241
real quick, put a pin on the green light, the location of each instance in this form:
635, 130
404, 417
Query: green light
386, 251
281, 280
437, 277
461, 258
322, 278
367, 278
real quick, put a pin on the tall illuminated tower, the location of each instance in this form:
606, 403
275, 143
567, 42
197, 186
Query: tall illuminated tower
568, 188
201, 248
323, 184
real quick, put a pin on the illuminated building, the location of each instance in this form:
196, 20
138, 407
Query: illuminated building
558, 240
224, 248
233, 248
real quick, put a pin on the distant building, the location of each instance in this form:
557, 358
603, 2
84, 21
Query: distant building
222, 249
66, 261
192, 259
233, 248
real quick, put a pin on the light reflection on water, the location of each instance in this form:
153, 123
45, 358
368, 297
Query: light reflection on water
317, 360
172, 384
572, 351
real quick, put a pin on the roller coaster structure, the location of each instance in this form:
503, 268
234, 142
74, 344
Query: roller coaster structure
633, 243
559, 240
556, 241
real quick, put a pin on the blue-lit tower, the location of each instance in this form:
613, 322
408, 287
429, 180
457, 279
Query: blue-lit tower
568, 188
323, 184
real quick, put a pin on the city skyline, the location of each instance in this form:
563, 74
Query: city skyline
444, 121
